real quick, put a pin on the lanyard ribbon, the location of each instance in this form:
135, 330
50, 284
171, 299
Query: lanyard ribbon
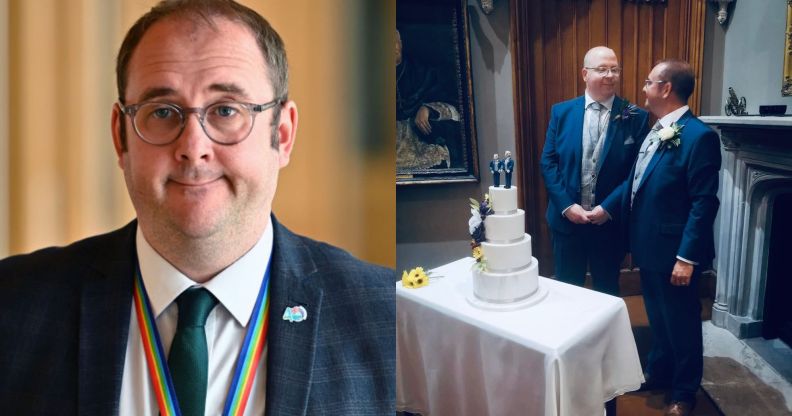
247, 362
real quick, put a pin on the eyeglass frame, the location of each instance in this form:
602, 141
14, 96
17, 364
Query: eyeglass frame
605, 71
132, 109
649, 82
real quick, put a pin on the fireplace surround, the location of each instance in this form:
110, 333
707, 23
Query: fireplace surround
756, 169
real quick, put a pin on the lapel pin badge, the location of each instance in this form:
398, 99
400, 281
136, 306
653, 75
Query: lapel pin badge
295, 314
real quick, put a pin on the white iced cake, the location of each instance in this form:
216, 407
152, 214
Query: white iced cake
511, 273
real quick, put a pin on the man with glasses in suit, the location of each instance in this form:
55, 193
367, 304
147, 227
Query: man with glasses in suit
669, 203
204, 303
590, 146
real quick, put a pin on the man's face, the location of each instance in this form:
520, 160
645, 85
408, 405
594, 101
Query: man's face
195, 187
601, 87
655, 91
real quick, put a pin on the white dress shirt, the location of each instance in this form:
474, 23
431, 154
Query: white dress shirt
673, 116
236, 289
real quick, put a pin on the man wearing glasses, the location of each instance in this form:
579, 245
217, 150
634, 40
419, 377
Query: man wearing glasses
590, 146
669, 202
205, 304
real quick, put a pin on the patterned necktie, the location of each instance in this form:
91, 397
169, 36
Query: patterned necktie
644, 156
188, 358
595, 122
591, 146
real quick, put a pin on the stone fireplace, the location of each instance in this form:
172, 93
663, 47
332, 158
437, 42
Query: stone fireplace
756, 171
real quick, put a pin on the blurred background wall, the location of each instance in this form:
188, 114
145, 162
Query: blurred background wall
59, 180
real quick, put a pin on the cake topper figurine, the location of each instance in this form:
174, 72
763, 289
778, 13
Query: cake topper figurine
508, 168
496, 166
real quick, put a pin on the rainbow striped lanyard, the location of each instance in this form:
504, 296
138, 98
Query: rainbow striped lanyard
247, 362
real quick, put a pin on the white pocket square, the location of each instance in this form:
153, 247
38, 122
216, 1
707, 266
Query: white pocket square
629, 140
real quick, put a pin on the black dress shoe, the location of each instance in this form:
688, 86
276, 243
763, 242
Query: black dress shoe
652, 383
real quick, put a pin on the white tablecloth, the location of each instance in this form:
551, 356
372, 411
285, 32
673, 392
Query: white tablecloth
566, 355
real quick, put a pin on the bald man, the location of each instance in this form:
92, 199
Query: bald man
591, 144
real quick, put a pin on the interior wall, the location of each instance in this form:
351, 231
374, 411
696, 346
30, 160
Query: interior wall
431, 220
64, 180
747, 54
753, 55
712, 67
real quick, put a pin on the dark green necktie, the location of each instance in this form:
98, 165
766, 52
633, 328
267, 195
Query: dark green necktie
188, 358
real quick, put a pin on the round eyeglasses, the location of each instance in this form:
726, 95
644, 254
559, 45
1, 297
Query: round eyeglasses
225, 122
603, 71
648, 83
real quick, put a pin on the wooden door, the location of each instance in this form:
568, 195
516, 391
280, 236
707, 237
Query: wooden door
549, 40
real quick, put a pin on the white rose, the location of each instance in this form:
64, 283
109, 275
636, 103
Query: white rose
666, 133
474, 222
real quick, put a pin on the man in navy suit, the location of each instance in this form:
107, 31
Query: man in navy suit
201, 130
591, 143
669, 204
508, 168
496, 166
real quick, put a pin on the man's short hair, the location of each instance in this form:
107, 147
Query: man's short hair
680, 75
203, 12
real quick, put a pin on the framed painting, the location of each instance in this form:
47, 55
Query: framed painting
435, 119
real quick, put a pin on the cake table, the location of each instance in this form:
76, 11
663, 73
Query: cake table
566, 355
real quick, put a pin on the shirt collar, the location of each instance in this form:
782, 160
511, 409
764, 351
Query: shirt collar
607, 103
236, 287
673, 116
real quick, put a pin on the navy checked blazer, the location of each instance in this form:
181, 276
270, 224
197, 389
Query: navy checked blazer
64, 323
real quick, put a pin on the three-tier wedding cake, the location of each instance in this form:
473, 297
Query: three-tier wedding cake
506, 272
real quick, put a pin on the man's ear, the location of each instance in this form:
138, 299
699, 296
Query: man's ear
287, 131
667, 89
116, 124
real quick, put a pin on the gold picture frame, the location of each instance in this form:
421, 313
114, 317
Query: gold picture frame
434, 74
786, 88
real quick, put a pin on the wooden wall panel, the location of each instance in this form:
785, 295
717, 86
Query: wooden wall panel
550, 40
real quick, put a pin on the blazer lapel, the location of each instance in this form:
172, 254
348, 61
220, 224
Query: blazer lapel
576, 118
291, 345
106, 302
658, 156
613, 125
650, 168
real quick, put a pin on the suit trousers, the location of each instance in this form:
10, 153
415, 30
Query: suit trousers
591, 247
674, 315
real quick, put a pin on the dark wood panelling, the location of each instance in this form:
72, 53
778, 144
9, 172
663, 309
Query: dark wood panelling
549, 40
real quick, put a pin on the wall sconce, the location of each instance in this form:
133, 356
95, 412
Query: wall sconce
723, 14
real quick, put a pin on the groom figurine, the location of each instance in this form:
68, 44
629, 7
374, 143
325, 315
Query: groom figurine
590, 146
496, 166
669, 204
508, 168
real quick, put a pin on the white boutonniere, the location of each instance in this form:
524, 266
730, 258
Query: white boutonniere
670, 136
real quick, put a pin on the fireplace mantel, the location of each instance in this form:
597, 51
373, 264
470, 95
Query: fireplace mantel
757, 166
748, 121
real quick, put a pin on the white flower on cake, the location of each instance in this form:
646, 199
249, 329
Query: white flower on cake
474, 222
